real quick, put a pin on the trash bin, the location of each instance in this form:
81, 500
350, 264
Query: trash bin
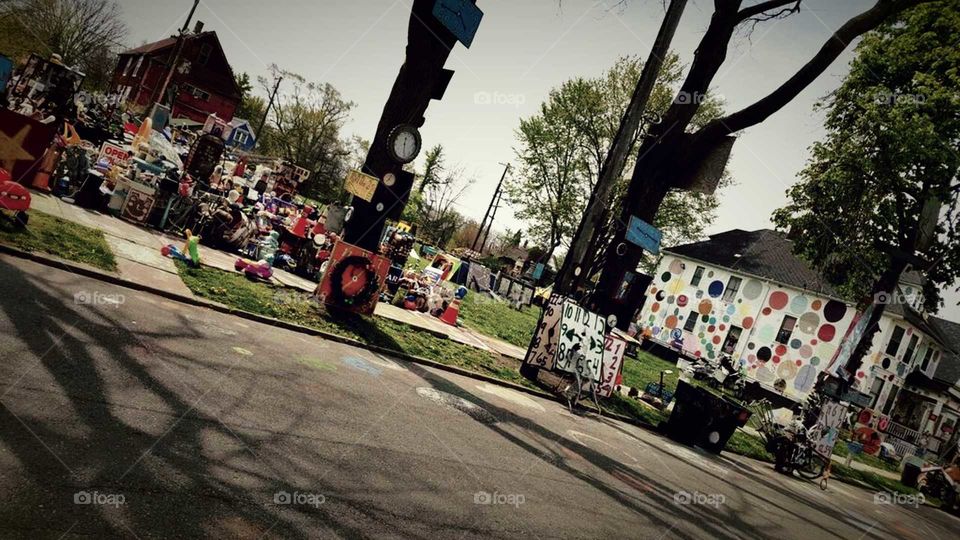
704, 419
911, 471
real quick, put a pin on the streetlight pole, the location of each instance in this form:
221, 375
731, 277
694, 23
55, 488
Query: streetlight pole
263, 120
493, 200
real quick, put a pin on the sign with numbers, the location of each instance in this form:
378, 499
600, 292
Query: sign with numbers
613, 348
581, 332
832, 415
361, 185
543, 348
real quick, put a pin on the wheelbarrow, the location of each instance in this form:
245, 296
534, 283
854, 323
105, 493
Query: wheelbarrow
13, 198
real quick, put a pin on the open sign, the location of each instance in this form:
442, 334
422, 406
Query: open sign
113, 154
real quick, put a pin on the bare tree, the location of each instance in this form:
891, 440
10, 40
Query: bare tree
85, 33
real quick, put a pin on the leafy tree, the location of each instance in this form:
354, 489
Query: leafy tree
880, 194
305, 126
563, 148
85, 33
431, 205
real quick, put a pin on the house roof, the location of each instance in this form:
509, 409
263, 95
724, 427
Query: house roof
151, 48
764, 253
949, 334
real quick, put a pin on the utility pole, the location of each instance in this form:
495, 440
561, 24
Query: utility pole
263, 120
177, 50
493, 215
572, 272
493, 200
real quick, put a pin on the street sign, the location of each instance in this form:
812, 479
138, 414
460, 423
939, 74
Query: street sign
461, 17
361, 185
642, 234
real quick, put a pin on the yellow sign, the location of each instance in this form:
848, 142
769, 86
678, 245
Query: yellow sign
361, 185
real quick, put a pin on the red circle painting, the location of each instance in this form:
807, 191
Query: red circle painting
671, 322
779, 299
827, 332
747, 323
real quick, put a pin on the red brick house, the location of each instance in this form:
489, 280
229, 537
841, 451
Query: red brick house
203, 82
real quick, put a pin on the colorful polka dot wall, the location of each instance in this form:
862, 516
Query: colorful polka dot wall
786, 335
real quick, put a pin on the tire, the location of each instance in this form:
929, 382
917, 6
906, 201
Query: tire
810, 465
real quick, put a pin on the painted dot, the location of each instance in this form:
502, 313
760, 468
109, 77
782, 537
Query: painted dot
726, 318
752, 358
676, 311
731, 309
670, 299
713, 320
716, 340
798, 304
799, 363
747, 323
700, 335
827, 332
885, 363
682, 300
776, 359
808, 322
710, 273
813, 342
665, 277
778, 300
751, 345
711, 329
795, 343
697, 354
781, 350
806, 351
661, 296
676, 266
766, 311
815, 361
816, 305
705, 318
764, 354
834, 311
705, 307
699, 295
671, 322
861, 374
715, 289
723, 327
752, 290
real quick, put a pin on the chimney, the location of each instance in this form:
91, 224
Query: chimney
198, 28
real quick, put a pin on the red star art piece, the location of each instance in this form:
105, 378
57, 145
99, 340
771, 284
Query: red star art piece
23, 142
354, 279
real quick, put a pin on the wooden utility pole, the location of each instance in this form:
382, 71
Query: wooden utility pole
263, 119
493, 200
574, 267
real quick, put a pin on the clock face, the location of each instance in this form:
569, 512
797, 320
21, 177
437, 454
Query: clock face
404, 144
461, 17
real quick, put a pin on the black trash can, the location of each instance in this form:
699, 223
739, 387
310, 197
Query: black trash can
910, 475
704, 419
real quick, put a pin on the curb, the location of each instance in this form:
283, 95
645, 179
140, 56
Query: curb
113, 279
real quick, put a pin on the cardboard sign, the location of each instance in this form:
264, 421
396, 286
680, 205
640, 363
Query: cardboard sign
579, 327
379, 265
113, 154
542, 351
613, 349
361, 185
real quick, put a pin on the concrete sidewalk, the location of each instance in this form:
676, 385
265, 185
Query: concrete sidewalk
137, 250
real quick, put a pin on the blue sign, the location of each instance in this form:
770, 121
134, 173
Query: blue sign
642, 234
538, 271
6, 70
461, 17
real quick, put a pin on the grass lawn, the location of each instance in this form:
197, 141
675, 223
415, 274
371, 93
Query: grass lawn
646, 368
237, 291
64, 239
497, 319
840, 449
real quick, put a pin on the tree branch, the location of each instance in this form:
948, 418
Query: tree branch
838, 42
759, 11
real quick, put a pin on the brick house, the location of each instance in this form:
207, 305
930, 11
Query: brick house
745, 294
203, 82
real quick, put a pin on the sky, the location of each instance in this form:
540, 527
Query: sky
522, 50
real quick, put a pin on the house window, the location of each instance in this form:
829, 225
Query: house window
733, 287
126, 61
894, 344
926, 360
697, 276
891, 400
198, 93
136, 68
786, 329
204, 55
911, 348
691, 321
733, 337
241, 137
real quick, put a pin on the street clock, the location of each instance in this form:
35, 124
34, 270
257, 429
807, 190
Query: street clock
404, 143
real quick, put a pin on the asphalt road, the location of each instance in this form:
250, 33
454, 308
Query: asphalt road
126, 415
